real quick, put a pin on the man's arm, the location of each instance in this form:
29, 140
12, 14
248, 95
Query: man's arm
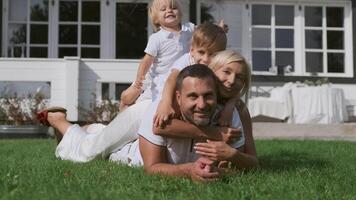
155, 162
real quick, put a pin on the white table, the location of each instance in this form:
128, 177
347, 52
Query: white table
302, 104
318, 104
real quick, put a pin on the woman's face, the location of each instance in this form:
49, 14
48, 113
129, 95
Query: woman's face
232, 79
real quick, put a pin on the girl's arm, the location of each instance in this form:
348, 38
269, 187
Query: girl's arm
130, 95
165, 109
225, 116
244, 157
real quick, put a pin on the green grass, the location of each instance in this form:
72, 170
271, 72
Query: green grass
289, 170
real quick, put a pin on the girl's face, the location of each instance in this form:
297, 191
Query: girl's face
169, 14
232, 79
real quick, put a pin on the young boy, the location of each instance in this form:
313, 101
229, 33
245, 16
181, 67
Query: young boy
207, 40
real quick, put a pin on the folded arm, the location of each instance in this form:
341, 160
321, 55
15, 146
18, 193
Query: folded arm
155, 162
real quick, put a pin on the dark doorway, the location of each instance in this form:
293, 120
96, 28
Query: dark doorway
131, 29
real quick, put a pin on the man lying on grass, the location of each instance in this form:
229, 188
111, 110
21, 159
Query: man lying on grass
178, 153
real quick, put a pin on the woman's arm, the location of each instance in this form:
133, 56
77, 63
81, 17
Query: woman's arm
244, 157
247, 158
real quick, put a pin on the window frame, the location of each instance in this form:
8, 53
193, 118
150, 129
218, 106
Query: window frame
28, 22
79, 24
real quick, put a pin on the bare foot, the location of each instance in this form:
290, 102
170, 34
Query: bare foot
58, 121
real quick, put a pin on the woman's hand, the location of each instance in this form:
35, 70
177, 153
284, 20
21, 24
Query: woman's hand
163, 114
215, 150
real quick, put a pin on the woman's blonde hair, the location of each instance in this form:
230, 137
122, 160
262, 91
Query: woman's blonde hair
153, 8
223, 58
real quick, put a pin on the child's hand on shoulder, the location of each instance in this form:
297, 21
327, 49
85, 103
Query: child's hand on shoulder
225, 116
129, 96
224, 26
163, 114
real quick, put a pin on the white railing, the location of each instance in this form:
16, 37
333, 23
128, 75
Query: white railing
73, 80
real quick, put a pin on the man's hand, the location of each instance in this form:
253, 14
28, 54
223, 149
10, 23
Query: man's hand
204, 171
229, 135
215, 150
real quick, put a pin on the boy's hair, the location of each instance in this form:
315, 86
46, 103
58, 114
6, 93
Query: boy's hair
153, 8
209, 36
223, 58
196, 71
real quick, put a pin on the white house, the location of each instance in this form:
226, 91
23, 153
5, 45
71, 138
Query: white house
83, 46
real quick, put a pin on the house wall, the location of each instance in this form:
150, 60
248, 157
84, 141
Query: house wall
58, 72
72, 80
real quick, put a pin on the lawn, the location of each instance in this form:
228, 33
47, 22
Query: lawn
289, 170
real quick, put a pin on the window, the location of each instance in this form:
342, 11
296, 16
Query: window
287, 38
131, 29
212, 11
27, 28
111, 90
25, 89
1, 32
79, 29
324, 39
275, 44
272, 38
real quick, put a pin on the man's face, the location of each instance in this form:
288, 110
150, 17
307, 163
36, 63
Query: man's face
197, 100
200, 55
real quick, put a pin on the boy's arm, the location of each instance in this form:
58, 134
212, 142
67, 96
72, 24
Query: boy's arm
182, 129
164, 109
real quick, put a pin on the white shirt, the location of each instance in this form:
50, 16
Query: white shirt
167, 47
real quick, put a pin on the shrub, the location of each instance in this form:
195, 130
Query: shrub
103, 111
20, 111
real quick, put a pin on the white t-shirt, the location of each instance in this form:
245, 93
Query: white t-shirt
167, 47
182, 62
179, 150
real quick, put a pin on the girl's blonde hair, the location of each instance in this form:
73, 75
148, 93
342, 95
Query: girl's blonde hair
153, 9
223, 58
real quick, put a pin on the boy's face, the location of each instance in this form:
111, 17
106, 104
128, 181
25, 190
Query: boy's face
200, 55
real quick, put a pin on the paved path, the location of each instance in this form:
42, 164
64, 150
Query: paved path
266, 130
